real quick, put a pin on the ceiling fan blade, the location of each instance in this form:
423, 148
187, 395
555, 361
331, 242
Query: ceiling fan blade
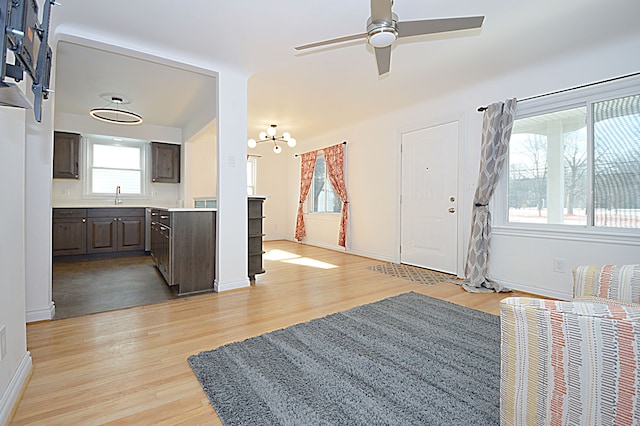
381, 10
433, 26
383, 58
332, 41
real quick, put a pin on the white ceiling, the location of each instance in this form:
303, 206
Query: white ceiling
305, 93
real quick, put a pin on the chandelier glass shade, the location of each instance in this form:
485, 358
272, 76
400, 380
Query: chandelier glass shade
116, 111
270, 136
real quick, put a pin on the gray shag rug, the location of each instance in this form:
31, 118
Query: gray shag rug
408, 359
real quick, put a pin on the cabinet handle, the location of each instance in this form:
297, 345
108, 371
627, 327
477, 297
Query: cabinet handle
115, 219
153, 180
154, 214
84, 220
164, 217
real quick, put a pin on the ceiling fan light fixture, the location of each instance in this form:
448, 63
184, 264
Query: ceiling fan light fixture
382, 37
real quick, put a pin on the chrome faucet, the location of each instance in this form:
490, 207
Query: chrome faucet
118, 200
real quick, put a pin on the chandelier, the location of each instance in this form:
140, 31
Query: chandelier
270, 136
116, 111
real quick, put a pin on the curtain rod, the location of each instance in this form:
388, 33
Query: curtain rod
595, 83
298, 155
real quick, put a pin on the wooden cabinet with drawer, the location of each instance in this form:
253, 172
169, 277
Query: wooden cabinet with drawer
97, 230
69, 234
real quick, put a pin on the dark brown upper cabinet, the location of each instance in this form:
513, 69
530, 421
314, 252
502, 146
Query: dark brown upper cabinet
66, 150
165, 162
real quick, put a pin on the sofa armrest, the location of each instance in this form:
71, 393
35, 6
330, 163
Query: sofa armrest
569, 362
607, 283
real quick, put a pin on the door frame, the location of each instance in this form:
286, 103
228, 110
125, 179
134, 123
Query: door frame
464, 189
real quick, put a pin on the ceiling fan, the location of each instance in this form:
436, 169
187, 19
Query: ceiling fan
383, 28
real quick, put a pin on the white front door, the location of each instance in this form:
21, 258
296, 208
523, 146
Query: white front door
429, 231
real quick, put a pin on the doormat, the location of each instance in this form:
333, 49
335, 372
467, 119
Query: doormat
413, 273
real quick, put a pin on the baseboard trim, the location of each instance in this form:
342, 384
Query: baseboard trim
217, 286
370, 255
42, 314
13, 393
537, 291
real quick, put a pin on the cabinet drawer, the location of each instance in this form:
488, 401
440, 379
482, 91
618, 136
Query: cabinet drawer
161, 216
61, 213
115, 212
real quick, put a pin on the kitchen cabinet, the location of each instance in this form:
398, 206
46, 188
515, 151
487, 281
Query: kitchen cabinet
66, 151
183, 245
115, 229
165, 162
69, 234
255, 218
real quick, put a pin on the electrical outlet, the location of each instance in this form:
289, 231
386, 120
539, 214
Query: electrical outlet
3, 342
559, 265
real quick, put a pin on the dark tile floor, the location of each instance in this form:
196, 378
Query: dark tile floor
89, 286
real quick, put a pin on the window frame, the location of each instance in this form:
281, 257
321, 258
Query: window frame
308, 203
143, 146
251, 180
563, 100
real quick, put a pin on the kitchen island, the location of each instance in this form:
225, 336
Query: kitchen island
183, 246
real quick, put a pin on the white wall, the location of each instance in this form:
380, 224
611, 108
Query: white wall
15, 366
200, 165
373, 173
275, 187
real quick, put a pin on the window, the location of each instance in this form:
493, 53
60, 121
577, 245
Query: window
251, 175
115, 164
577, 165
322, 198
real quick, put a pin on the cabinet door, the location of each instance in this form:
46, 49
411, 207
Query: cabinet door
130, 233
66, 148
102, 234
165, 159
69, 236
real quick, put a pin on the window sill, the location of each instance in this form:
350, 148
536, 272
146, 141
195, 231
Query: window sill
322, 216
594, 235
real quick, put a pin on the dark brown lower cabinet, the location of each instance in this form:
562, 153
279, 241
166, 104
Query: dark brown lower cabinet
183, 244
102, 234
69, 234
97, 230
115, 230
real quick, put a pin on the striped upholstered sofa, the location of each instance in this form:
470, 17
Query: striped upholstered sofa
578, 362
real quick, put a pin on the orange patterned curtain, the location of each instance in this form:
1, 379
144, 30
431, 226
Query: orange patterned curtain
334, 157
307, 166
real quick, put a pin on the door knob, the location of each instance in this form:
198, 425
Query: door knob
452, 210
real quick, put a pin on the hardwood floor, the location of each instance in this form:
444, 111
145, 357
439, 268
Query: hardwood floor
130, 366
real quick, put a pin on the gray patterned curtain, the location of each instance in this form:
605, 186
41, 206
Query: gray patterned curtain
496, 131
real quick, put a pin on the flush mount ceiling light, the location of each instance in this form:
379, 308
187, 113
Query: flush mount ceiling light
270, 136
116, 112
